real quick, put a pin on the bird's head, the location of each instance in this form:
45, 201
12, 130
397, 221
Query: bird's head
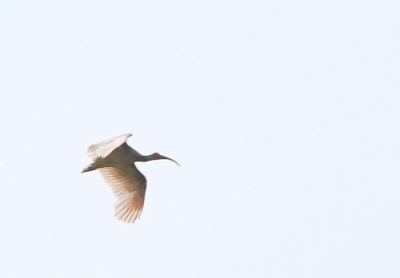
157, 156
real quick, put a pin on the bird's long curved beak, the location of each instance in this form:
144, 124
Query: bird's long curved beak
164, 157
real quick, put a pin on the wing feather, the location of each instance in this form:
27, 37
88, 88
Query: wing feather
104, 148
129, 185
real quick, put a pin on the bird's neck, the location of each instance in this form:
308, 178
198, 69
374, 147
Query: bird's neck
145, 158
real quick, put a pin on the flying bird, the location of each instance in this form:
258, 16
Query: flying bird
116, 162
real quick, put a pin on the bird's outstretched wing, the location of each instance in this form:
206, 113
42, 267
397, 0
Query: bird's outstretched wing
129, 185
103, 149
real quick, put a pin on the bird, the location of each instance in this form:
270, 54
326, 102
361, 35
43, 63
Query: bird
115, 160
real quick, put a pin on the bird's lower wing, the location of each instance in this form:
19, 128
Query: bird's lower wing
129, 185
103, 149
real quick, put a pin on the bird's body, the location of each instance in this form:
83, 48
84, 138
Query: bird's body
115, 161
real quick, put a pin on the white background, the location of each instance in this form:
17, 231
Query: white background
284, 116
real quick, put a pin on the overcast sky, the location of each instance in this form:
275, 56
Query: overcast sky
284, 116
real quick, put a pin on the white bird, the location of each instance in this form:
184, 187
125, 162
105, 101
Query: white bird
116, 162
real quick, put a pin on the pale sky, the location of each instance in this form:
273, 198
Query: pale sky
284, 116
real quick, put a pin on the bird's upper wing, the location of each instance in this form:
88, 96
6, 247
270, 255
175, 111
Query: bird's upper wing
102, 149
129, 185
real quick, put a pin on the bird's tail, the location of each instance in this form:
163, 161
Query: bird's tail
89, 168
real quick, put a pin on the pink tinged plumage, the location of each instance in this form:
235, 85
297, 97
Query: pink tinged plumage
115, 161
103, 149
